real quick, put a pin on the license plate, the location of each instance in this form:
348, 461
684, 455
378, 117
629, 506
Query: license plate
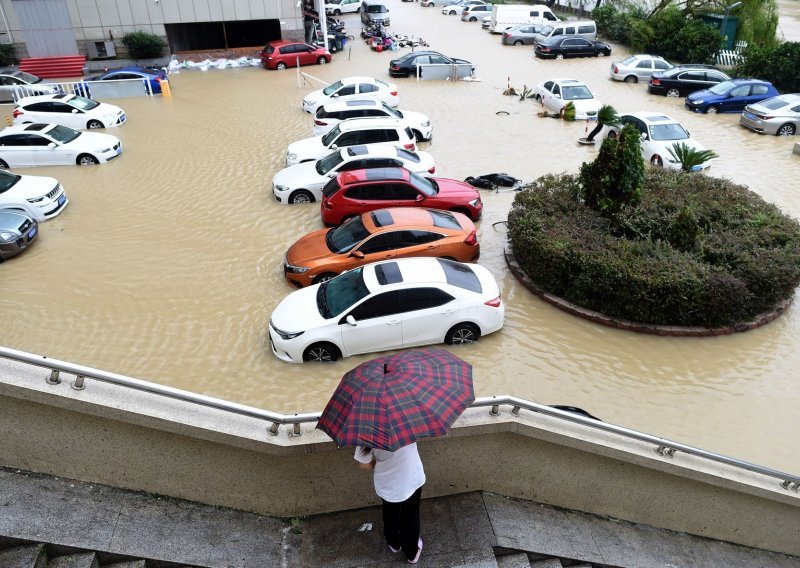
62, 199
696, 168
32, 233
122, 118
750, 115
119, 149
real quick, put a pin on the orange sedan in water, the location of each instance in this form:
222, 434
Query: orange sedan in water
380, 235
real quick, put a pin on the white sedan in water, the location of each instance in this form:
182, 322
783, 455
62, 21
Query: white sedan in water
351, 88
303, 183
41, 144
555, 94
41, 198
68, 110
387, 305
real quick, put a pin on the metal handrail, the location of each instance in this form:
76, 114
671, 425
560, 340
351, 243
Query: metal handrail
665, 448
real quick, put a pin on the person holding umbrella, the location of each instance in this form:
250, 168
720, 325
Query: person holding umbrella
383, 407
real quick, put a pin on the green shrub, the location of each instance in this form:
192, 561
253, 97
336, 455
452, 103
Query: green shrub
7, 56
696, 250
779, 65
143, 45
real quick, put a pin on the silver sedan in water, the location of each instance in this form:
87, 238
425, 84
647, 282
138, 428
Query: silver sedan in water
522, 34
779, 115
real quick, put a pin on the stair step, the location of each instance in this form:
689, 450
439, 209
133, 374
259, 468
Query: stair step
549, 563
54, 67
24, 557
129, 564
519, 560
82, 560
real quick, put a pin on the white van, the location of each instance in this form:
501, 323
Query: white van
506, 15
586, 29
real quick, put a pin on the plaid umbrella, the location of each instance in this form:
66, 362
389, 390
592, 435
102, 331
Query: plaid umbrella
392, 401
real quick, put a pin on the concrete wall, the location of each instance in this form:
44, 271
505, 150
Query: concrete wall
134, 440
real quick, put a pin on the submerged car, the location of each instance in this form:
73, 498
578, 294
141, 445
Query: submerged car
387, 305
280, 54
659, 134
152, 75
779, 115
559, 47
351, 88
15, 84
555, 94
680, 81
638, 67
40, 198
41, 144
730, 96
17, 232
523, 34
383, 234
331, 114
412, 64
68, 110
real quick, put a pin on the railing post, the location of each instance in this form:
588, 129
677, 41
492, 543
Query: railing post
665, 451
54, 378
79, 383
495, 411
273, 430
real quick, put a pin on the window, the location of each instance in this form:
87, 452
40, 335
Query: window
34, 140
550, 16
460, 275
569, 31
740, 91
348, 139
14, 140
367, 88
692, 76
716, 77
443, 219
414, 299
759, 90
587, 30
375, 112
380, 243
348, 90
40, 107
548, 86
417, 238
369, 192
330, 188
372, 136
401, 192
379, 306
660, 64
644, 64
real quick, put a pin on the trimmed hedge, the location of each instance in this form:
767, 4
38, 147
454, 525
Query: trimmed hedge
696, 251
143, 45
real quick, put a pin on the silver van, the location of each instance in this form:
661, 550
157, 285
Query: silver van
373, 12
586, 29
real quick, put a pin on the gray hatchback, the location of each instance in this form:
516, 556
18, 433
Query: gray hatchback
521, 35
17, 232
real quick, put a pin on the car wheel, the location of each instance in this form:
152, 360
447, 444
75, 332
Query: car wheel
518, 42
613, 134
3, 164
323, 352
301, 196
280, 66
322, 60
657, 161
631, 79
673, 92
451, 13
324, 277
92, 124
787, 129
461, 334
358, 10
418, 136
87, 160
713, 109
560, 56
337, 12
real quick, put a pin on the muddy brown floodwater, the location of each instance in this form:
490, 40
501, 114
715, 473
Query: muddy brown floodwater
167, 262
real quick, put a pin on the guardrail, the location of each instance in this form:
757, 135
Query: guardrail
444, 71
663, 447
104, 89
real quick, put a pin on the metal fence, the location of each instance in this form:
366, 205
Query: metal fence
110, 89
444, 71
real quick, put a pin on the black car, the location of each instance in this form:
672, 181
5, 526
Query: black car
680, 81
406, 66
560, 47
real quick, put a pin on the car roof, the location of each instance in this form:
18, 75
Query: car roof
41, 98
750, 81
651, 117
32, 127
365, 122
334, 105
567, 80
282, 42
402, 272
405, 217
358, 79
372, 174
370, 151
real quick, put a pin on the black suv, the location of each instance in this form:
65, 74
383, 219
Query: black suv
682, 80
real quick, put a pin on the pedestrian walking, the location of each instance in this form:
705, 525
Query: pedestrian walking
398, 478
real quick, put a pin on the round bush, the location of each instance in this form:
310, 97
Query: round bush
695, 251
143, 45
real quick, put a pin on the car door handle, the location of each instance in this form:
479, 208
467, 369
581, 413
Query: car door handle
448, 311
393, 322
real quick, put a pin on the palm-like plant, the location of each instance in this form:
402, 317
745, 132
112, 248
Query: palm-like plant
568, 111
606, 115
690, 157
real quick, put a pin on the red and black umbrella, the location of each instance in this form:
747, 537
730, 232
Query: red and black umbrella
392, 401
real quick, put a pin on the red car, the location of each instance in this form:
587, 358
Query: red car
352, 193
281, 54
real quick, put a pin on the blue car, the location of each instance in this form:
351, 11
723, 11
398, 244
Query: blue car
153, 75
730, 96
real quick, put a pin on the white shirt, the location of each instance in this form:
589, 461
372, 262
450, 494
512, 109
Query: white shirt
397, 474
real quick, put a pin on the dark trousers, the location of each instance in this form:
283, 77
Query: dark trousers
401, 524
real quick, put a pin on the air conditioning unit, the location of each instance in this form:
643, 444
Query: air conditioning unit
101, 49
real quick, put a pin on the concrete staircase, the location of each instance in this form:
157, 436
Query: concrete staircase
54, 67
531, 560
16, 553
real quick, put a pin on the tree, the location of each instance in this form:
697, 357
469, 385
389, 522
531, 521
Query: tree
606, 116
689, 157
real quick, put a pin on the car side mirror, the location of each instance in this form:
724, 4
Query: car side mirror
331, 175
645, 136
357, 254
335, 95
334, 147
351, 320
51, 145
74, 111
420, 198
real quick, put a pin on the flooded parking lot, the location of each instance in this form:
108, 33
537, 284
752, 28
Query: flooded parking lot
167, 262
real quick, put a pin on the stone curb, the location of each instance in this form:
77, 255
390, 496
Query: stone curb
627, 325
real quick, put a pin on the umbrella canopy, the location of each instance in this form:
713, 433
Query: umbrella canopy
392, 401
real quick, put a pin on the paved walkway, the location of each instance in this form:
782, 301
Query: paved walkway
462, 530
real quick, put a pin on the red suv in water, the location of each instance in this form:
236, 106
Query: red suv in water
281, 54
352, 193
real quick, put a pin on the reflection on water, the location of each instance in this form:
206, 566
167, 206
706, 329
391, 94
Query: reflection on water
167, 262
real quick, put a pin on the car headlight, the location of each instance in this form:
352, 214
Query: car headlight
296, 269
285, 334
308, 102
426, 124
291, 156
475, 202
281, 188
698, 101
103, 151
35, 199
8, 236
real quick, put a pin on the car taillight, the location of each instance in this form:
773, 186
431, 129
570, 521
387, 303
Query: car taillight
326, 203
17, 112
544, 48
506, 36
320, 123
654, 81
409, 146
394, 93
432, 170
615, 69
472, 239
760, 116
494, 303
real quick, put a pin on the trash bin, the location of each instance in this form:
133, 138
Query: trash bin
730, 23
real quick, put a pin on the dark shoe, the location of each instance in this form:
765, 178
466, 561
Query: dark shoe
419, 552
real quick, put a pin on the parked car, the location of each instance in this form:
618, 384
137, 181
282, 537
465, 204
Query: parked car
406, 66
339, 7
586, 29
730, 96
486, 22
15, 84
453, 8
779, 115
659, 134
280, 54
504, 16
41, 144
331, 114
17, 232
374, 12
351, 88
472, 13
302, 183
352, 132
638, 67
560, 47
352, 193
680, 81
383, 234
521, 35
555, 94
387, 305
152, 75
40, 198
68, 110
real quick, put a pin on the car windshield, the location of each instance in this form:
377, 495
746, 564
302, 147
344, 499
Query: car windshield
334, 2
391, 112
332, 88
672, 131
346, 236
546, 30
82, 104
329, 162
328, 138
722, 88
576, 93
425, 185
631, 59
27, 77
338, 294
63, 134
376, 9
7, 180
